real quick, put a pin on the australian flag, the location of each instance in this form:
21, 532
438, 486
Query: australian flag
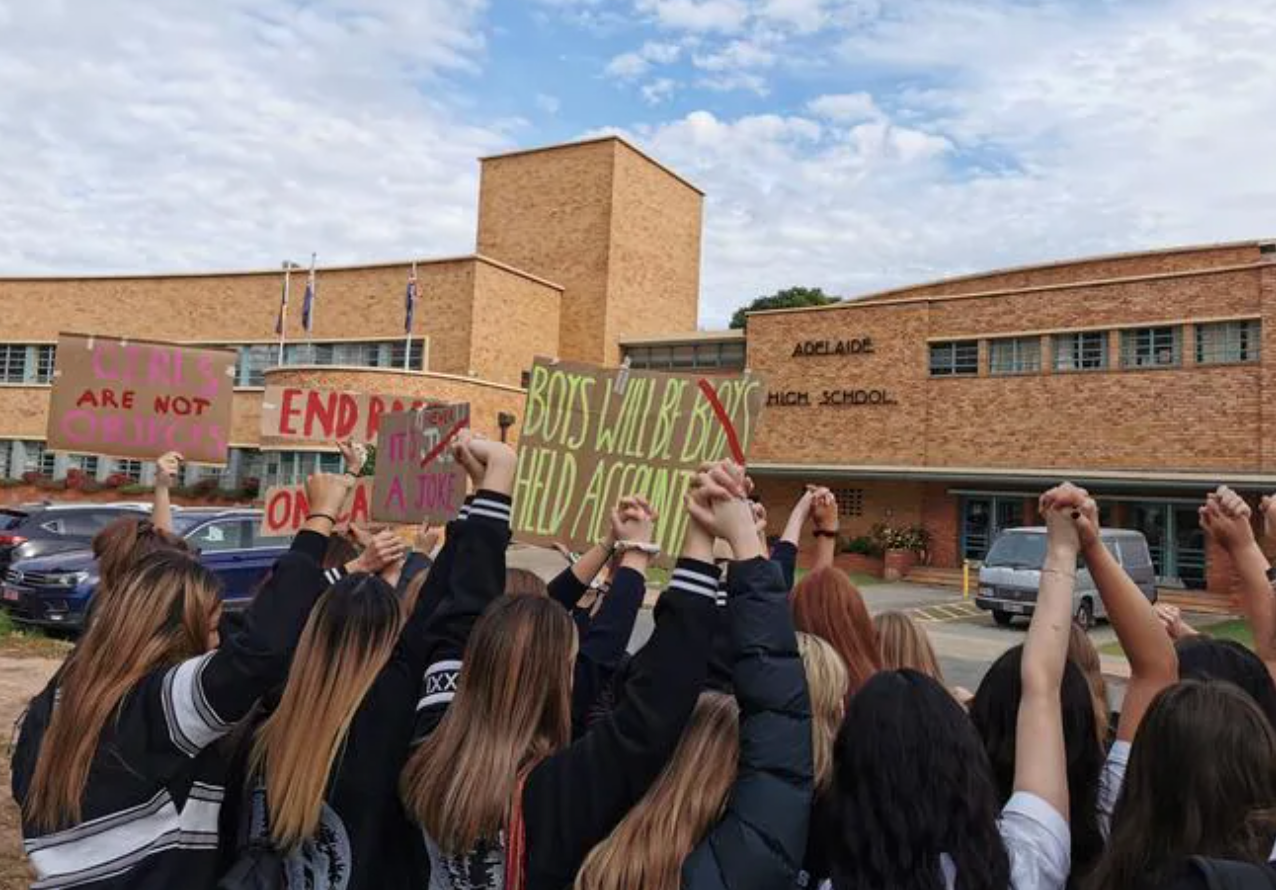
283, 307
410, 301
308, 302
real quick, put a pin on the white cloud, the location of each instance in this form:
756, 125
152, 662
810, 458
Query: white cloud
736, 55
845, 107
658, 90
194, 136
551, 105
726, 16
629, 65
734, 80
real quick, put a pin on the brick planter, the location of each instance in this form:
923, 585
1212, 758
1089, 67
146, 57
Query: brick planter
858, 562
30, 494
898, 563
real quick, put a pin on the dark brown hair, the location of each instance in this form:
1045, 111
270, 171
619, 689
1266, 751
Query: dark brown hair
120, 546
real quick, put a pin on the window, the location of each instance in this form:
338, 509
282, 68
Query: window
255, 360
1015, 355
712, 355
46, 357
850, 501
86, 524
1085, 351
130, 468
13, 360
291, 467
6, 452
1151, 348
1134, 553
954, 358
85, 463
38, 459
223, 535
1228, 342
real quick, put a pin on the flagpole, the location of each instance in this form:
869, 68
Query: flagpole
407, 353
313, 285
283, 311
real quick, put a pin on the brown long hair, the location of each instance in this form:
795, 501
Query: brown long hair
512, 709
1201, 781
160, 613
648, 847
826, 684
826, 603
904, 644
348, 638
1082, 653
119, 546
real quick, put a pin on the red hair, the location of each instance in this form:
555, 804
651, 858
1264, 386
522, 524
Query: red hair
826, 604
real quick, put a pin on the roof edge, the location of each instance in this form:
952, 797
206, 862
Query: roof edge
595, 140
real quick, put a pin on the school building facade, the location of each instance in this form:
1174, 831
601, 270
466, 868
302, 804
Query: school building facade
578, 246
1148, 378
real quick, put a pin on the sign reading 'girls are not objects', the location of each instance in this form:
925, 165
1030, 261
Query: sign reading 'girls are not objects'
139, 399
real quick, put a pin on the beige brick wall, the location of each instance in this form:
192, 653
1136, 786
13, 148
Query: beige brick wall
516, 318
1192, 418
655, 256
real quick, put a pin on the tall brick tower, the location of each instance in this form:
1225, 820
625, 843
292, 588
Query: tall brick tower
618, 231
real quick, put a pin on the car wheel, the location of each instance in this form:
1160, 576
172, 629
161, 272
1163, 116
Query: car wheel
1085, 615
1002, 618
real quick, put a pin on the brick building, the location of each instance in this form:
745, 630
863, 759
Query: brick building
952, 405
578, 246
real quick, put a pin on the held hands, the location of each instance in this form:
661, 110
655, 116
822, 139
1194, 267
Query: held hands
381, 552
1072, 518
633, 521
824, 510
167, 468
1172, 620
1226, 518
326, 492
355, 454
718, 504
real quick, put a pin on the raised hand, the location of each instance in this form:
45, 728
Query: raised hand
381, 550
1083, 509
427, 539
1226, 518
167, 468
355, 454
824, 510
718, 504
326, 492
634, 519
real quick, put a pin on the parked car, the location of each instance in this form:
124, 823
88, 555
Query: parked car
33, 530
1011, 574
55, 590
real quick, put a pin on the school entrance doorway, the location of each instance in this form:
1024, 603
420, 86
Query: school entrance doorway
983, 517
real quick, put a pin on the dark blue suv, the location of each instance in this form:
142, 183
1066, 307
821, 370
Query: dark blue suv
54, 591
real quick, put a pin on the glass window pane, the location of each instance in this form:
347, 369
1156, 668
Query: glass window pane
1150, 347
1084, 351
1228, 342
684, 356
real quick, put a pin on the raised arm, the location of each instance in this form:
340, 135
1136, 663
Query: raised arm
824, 512
1153, 662
166, 470
1228, 520
573, 582
1041, 761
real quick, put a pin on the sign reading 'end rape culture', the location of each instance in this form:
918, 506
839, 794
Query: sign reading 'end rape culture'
139, 399
589, 438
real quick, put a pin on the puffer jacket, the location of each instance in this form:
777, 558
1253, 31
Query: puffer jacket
761, 839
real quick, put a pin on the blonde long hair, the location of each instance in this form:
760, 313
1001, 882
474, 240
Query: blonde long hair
648, 847
348, 638
905, 645
160, 613
827, 682
512, 709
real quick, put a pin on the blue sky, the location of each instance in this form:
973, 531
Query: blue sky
849, 144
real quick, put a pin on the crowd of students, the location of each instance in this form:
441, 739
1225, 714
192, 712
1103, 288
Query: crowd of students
390, 717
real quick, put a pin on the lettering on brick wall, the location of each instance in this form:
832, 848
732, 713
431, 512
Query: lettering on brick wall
834, 398
818, 348
588, 439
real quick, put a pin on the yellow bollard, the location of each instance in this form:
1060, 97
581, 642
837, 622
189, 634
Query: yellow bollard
965, 579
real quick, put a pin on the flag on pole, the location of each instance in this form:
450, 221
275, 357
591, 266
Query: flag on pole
410, 299
283, 306
308, 302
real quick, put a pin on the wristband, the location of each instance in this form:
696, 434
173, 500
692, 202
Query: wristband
821, 533
327, 516
640, 546
352, 474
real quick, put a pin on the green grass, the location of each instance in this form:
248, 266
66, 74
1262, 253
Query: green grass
22, 641
1230, 629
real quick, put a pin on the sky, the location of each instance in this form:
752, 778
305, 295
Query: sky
852, 145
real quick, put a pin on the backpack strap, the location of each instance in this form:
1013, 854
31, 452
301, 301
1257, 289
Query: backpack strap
1229, 874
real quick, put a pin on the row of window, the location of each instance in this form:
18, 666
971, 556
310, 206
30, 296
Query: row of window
27, 363
687, 356
1217, 343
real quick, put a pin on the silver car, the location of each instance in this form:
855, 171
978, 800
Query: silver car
1011, 574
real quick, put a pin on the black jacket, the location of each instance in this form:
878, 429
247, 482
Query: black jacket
155, 789
759, 842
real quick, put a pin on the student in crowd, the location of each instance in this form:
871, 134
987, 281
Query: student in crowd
114, 772
501, 794
994, 711
905, 644
914, 803
827, 684
1082, 653
706, 822
1201, 781
785, 551
826, 604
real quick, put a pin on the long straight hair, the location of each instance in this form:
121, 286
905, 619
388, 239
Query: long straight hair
648, 847
904, 644
346, 642
826, 683
1201, 782
159, 614
826, 603
512, 709
119, 546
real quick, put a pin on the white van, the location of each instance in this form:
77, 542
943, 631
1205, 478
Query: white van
1011, 574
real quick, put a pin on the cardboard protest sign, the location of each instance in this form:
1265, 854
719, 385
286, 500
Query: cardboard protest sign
304, 414
417, 477
139, 399
589, 438
286, 508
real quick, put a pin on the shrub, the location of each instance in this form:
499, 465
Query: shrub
250, 487
117, 480
205, 488
914, 537
133, 488
863, 545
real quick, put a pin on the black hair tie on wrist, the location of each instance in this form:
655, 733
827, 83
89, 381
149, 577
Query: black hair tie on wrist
821, 533
326, 516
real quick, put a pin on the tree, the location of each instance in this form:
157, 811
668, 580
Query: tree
789, 298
